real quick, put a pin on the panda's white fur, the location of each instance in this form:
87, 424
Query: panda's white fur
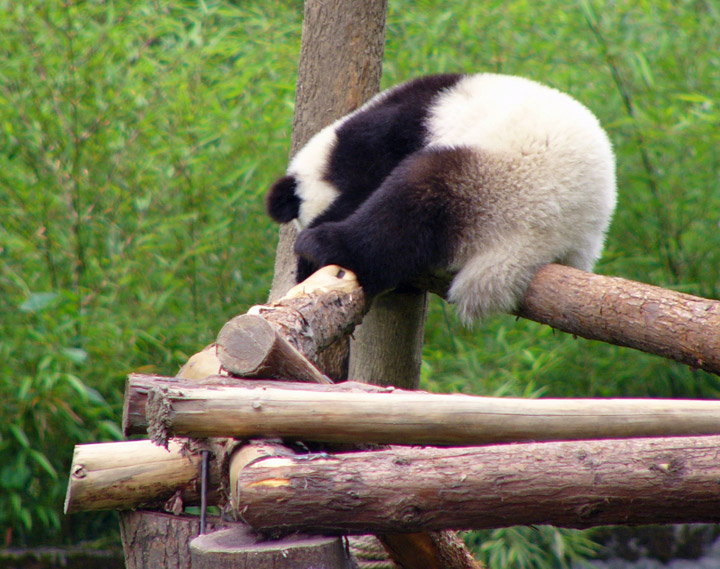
494, 176
315, 193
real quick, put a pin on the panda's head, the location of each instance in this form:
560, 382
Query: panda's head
305, 192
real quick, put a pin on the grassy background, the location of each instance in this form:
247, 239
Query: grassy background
138, 138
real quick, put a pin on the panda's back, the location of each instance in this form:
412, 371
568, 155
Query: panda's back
540, 154
514, 114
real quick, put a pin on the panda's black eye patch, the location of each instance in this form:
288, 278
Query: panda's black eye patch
282, 202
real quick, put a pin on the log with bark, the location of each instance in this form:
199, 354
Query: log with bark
281, 338
655, 320
157, 540
658, 321
357, 413
569, 484
573, 484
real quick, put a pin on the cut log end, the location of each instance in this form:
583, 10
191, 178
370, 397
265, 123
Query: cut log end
244, 344
238, 546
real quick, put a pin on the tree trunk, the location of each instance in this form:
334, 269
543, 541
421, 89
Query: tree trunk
387, 347
571, 484
341, 414
155, 540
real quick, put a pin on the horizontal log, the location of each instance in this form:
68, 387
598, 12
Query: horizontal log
386, 415
652, 319
132, 474
570, 484
619, 311
138, 387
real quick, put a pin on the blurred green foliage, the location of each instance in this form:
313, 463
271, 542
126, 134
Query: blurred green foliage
138, 137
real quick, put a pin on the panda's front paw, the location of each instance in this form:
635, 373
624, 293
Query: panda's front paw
321, 246
313, 248
309, 245
304, 269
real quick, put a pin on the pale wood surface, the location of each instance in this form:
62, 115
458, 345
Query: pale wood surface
237, 546
131, 474
338, 414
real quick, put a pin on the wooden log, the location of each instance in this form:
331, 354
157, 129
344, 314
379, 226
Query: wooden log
238, 546
438, 550
202, 364
138, 386
571, 484
156, 540
134, 474
655, 320
386, 348
345, 414
442, 549
249, 346
674, 325
278, 339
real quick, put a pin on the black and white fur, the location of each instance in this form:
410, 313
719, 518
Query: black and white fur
489, 176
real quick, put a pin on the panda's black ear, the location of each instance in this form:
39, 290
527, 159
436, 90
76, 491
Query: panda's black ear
282, 202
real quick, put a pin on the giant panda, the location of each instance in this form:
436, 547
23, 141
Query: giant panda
486, 176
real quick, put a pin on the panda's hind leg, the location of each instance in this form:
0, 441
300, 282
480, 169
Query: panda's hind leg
403, 230
494, 280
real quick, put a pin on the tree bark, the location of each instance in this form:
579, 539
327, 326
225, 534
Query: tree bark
386, 348
287, 337
154, 540
655, 320
249, 346
361, 415
570, 484
658, 321
442, 549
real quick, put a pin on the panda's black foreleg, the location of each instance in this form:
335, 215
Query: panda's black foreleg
305, 268
402, 231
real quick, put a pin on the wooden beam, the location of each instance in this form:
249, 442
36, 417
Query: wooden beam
133, 474
571, 484
655, 320
285, 338
353, 414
